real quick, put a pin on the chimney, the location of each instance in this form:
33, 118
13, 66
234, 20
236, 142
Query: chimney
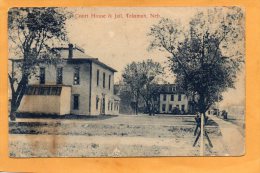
70, 51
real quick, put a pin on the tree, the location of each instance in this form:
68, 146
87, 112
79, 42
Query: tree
142, 78
32, 34
206, 55
152, 72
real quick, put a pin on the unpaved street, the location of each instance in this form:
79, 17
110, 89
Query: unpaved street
121, 136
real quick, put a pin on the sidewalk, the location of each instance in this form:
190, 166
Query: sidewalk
232, 138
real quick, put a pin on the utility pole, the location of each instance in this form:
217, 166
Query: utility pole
202, 135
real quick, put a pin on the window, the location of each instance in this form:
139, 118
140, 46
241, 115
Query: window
75, 102
164, 97
55, 90
111, 106
172, 97
170, 108
76, 76
39, 90
97, 102
59, 76
182, 107
97, 77
42, 75
163, 107
179, 97
108, 105
104, 80
45, 91
109, 82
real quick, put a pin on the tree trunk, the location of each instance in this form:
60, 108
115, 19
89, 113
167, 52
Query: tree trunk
148, 106
17, 96
136, 107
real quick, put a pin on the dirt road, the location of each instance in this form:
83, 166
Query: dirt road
121, 136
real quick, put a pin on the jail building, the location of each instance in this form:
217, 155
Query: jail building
80, 85
169, 99
172, 99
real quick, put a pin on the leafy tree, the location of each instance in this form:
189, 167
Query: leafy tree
33, 32
206, 55
142, 77
132, 78
152, 72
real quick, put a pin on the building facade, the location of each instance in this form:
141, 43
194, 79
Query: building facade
169, 100
172, 100
80, 85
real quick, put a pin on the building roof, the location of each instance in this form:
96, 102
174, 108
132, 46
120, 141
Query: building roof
78, 55
93, 60
169, 89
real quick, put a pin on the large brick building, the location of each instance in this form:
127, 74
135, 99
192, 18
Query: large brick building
80, 85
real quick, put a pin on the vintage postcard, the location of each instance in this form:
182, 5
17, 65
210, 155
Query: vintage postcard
126, 81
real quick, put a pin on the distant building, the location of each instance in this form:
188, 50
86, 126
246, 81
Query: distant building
80, 85
170, 100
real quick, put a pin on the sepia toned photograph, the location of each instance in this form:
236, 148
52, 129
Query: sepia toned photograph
126, 81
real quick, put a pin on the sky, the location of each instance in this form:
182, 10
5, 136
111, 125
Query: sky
119, 41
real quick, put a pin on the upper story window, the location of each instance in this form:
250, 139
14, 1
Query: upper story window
104, 80
173, 88
179, 97
172, 97
97, 77
109, 82
76, 79
164, 97
42, 75
59, 76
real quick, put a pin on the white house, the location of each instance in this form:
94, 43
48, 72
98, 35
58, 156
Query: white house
169, 99
172, 98
80, 85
